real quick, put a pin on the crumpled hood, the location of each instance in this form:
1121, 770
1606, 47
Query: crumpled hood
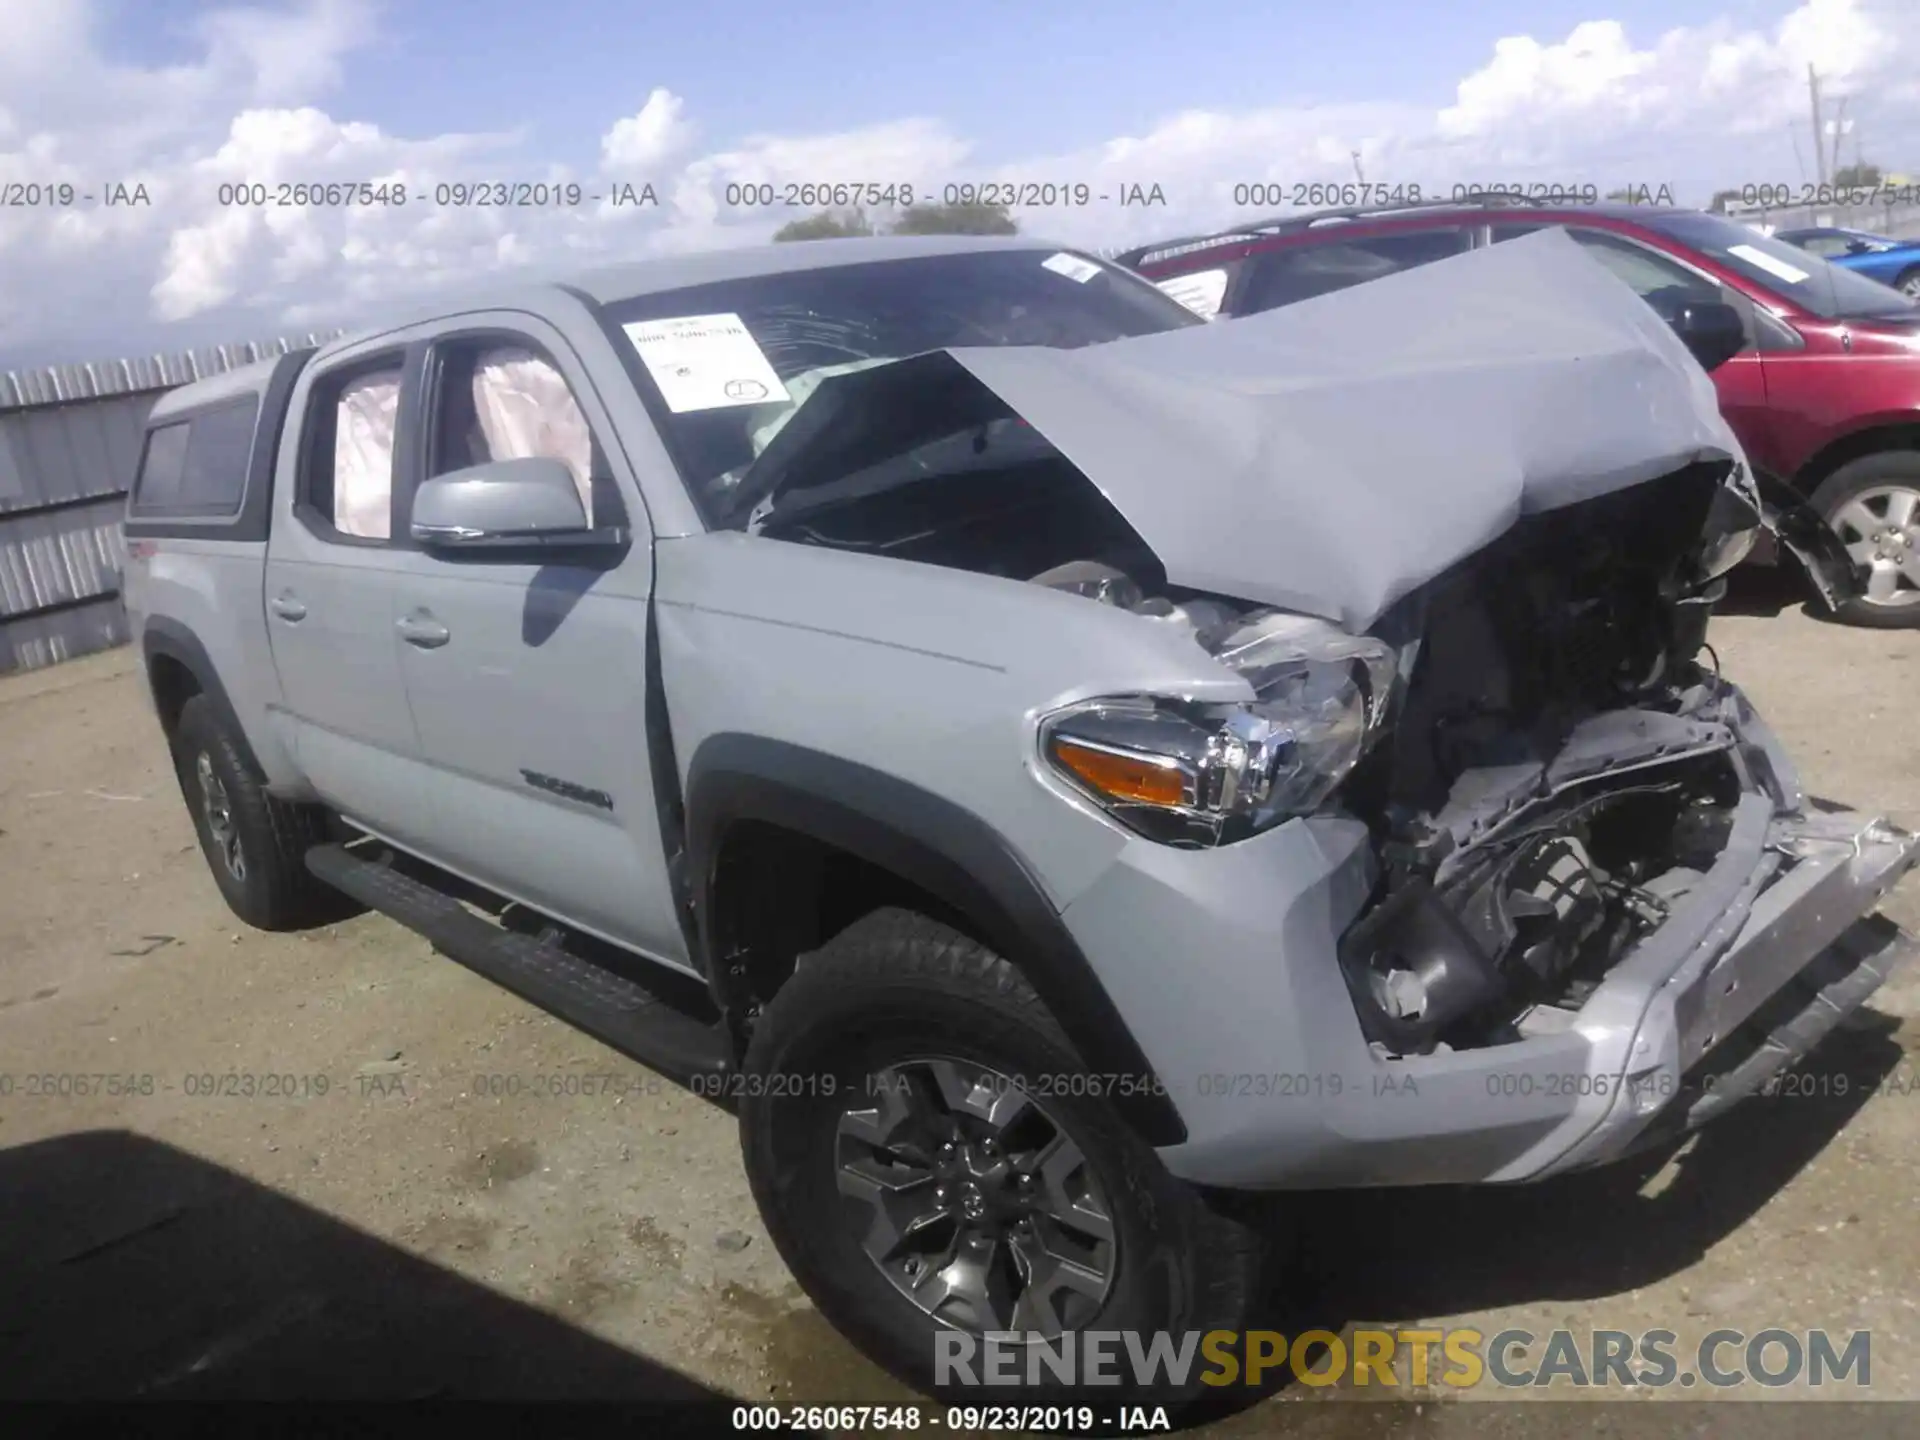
1331, 456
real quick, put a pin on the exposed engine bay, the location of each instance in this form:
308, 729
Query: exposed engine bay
1556, 777
1553, 775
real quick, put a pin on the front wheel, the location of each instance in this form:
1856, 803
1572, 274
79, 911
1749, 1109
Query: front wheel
936, 1165
1873, 505
1909, 282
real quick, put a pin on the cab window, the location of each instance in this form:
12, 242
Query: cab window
501, 399
346, 485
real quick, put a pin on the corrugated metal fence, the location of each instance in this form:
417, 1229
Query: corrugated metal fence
69, 442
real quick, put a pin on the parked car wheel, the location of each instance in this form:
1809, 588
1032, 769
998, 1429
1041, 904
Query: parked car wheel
1908, 282
929, 1154
1873, 505
255, 845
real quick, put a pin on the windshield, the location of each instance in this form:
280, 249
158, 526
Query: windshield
805, 325
1828, 290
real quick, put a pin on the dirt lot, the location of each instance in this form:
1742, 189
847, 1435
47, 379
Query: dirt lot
409, 1228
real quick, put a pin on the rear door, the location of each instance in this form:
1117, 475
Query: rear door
330, 592
528, 675
1335, 261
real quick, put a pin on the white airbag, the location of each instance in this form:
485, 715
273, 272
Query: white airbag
526, 411
363, 456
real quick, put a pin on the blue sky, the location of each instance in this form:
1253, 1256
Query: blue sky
192, 98
1017, 76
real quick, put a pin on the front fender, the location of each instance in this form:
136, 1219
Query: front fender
940, 847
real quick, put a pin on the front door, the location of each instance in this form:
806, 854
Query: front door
527, 677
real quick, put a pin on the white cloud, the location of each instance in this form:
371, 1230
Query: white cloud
901, 152
285, 55
1695, 107
1595, 93
655, 134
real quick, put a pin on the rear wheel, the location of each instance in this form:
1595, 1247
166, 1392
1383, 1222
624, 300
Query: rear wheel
1873, 505
255, 845
931, 1157
1909, 282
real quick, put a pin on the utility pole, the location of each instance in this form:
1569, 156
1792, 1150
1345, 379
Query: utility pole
1840, 128
1358, 173
1819, 132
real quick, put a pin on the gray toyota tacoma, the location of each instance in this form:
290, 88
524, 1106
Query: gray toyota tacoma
1050, 764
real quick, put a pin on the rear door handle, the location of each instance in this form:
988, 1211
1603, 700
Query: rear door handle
424, 631
288, 608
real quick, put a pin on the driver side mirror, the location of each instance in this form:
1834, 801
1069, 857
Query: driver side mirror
527, 502
1713, 331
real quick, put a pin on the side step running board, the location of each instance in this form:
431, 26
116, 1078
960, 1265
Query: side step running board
589, 997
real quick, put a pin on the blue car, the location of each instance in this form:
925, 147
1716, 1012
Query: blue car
1878, 257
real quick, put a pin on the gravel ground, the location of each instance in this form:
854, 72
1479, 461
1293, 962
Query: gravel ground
408, 1230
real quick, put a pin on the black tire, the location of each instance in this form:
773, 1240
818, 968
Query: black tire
898, 985
1908, 281
1870, 476
271, 887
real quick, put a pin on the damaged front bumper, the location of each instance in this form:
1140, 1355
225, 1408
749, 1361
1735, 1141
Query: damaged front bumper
1795, 951
1280, 1089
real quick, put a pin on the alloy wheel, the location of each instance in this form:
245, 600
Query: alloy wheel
218, 810
1881, 530
974, 1200
1911, 286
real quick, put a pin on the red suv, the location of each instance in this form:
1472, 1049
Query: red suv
1824, 393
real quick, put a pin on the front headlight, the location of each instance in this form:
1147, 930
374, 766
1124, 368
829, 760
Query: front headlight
1195, 773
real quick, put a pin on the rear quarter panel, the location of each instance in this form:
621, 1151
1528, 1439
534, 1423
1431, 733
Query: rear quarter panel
212, 591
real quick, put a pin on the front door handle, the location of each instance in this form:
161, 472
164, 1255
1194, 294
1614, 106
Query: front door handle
288, 607
424, 631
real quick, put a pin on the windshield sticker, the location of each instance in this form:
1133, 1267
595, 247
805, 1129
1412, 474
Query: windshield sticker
1201, 292
705, 362
1071, 266
1754, 255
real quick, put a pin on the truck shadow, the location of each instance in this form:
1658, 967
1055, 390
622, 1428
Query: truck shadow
1401, 1255
137, 1271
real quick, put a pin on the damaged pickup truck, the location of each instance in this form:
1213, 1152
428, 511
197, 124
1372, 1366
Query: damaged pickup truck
1048, 762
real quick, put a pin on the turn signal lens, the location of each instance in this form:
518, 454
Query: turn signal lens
1139, 779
